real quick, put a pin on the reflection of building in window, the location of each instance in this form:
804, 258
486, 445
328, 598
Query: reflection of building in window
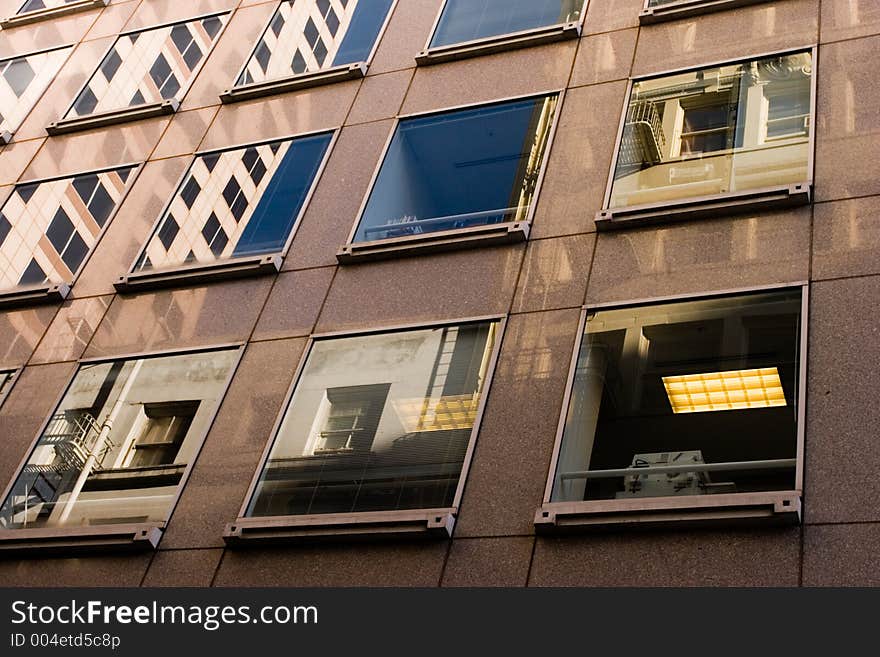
304, 36
468, 20
459, 170
48, 228
377, 423
148, 66
22, 81
116, 449
235, 203
725, 129
5, 384
686, 398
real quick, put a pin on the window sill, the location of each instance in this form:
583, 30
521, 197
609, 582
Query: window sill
426, 523
113, 117
450, 240
688, 8
705, 206
757, 508
294, 83
490, 45
51, 12
34, 296
200, 273
132, 537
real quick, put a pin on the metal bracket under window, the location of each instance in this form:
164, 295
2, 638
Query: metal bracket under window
199, 273
687, 8
706, 206
502, 43
113, 117
34, 296
81, 539
429, 523
46, 13
294, 82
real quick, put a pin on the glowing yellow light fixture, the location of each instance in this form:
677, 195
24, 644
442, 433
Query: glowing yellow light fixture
725, 391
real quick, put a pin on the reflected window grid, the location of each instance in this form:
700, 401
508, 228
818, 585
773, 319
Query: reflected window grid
714, 131
116, 449
378, 423
148, 66
36, 5
48, 228
22, 81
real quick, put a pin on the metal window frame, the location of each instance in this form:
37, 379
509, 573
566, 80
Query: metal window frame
779, 196
688, 8
6, 135
297, 81
124, 537
13, 374
229, 268
37, 15
163, 107
48, 293
510, 232
410, 523
499, 42
772, 507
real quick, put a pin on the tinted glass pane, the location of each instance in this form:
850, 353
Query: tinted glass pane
459, 169
707, 388
378, 422
466, 20
5, 384
22, 81
305, 36
53, 225
101, 459
147, 67
240, 202
716, 130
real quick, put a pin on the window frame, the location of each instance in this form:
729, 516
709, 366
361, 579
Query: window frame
688, 8
65, 124
47, 13
48, 293
500, 42
458, 238
770, 507
697, 207
13, 374
296, 81
242, 267
7, 135
407, 523
123, 537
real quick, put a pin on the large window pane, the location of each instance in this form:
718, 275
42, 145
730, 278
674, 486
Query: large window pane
378, 423
688, 398
235, 203
48, 228
149, 66
716, 130
22, 81
304, 36
467, 20
36, 5
115, 450
460, 169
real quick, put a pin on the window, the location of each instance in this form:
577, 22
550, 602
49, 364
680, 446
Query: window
473, 172
48, 228
7, 378
376, 424
684, 405
232, 205
115, 451
662, 10
36, 10
144, 73
22, 81
739, 130
477, 23
309, 40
